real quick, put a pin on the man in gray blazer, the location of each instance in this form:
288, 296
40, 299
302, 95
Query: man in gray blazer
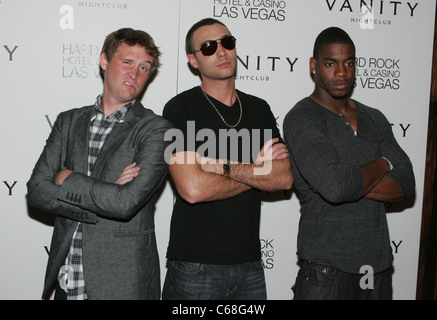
99, 172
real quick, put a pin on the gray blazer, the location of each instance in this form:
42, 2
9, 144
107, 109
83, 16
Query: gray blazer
120, 255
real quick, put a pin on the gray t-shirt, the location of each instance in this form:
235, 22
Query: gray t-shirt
336, 225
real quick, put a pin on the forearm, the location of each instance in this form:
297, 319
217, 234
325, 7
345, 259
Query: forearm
106, 195
373, 173
44, 195
272, 175
195, 185
108, 199
211, 187
386, 190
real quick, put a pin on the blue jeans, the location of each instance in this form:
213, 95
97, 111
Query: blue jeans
197, 281
320, 280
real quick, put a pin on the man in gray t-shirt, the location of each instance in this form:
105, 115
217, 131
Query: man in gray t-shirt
346, 164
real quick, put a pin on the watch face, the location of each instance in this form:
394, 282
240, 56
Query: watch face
226, 169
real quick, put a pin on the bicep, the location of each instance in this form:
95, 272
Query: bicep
184, 170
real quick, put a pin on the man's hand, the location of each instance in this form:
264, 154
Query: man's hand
128, 174
61, 176
272, 151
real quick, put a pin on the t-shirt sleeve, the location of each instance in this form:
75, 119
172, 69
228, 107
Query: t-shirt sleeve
271, 123
175, 113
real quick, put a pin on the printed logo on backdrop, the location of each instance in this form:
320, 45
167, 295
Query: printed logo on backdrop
96, 5
262, 68
267, 253
254, 67
396, 245
264, 10
103, 5
378, 73
9, 186
81, 60
67, 11
381, 73
370, 14
10, 50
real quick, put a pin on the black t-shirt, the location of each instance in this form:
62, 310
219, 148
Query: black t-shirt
225, 231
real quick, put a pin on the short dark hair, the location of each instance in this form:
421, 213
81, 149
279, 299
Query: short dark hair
204, 22
329, 36
131, 37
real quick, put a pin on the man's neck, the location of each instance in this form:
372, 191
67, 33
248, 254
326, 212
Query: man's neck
109, 107
221, 90
336, 105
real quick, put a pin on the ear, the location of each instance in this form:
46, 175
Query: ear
192, 60
313, 65
103, 60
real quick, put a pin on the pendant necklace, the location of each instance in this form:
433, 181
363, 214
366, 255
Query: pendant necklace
223, 119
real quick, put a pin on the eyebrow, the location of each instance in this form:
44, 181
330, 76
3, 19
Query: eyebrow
333, 59
224, 36
144, 61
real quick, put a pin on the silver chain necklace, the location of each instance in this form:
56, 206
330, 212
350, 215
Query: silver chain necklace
223, 119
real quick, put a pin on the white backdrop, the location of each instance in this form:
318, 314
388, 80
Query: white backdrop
49, 63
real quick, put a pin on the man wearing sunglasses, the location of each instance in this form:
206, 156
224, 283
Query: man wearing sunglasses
214, 249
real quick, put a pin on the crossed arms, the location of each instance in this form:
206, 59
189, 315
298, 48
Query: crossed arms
55, 188
199, 179
327, 165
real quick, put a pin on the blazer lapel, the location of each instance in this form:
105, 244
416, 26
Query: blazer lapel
117, 136
80, 142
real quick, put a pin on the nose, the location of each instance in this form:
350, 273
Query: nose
220, 49
133, 74
340, 70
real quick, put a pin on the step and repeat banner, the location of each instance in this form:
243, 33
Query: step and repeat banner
49, 62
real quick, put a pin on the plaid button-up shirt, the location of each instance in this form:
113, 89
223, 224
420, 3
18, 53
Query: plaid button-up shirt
71, 277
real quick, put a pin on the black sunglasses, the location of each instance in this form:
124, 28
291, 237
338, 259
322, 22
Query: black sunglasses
209, 47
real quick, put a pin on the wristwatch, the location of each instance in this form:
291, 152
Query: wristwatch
226, 169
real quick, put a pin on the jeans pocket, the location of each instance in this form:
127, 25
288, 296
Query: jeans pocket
258, 264
322, 273
187, 268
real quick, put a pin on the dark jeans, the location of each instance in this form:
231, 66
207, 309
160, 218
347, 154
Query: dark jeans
196, 281
319, 280
60, 294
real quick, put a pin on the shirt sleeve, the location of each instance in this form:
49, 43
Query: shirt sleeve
43, 193
317, 159
273, 124
179, 136
402, 171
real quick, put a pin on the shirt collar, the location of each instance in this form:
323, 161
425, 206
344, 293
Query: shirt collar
117, 116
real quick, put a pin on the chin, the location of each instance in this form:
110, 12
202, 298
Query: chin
340, 97
340, 94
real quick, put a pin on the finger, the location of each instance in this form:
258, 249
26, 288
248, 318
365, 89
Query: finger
283, 156
277, 149
124, 178
133, 164
267, 146
270, 143
128, 174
